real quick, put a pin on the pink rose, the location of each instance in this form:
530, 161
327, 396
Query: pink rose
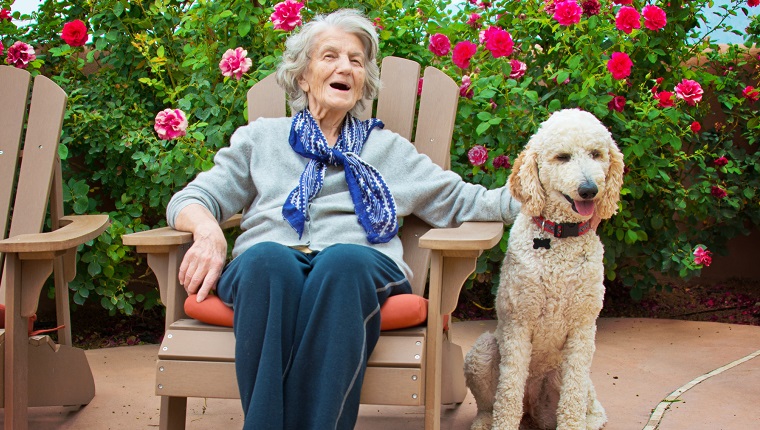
464, 89
498, 42
472, 21
654, 17
74, 33
20, 55
591, 7
2, 48
170, 124
689, 91
720, 162
718, 192
463, 52
702, 256
567, 12
235, 63
518, 69
501, 162
378, 23
627, 19
620, 65
5, 15
478, 155
419, 87
622, 1
665, 99
439, 44
695, 127
287, 15
751, 93
617, 103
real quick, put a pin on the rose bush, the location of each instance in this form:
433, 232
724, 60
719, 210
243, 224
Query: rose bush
516, 63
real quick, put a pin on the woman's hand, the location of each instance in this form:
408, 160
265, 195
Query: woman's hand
203, 263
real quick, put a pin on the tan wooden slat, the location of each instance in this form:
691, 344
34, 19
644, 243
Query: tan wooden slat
199, 344
214, 379
40, 149
398, 96
393, 386
13, 100
435, 122
266, 99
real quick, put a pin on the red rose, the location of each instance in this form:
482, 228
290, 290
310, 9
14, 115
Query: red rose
718, 192
620, 65
751, 93
753, 3
627, 19
591, 7
463, 51
665, 99
498, 41
501, 162
654, 17
695, 127
74, 33
720, 162
702, 256
617, 103
5, 15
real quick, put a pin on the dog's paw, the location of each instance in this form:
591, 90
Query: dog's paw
482, 421
596, 418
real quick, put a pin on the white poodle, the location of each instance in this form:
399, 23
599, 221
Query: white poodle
535, 368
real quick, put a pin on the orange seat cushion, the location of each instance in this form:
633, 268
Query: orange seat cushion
399, 311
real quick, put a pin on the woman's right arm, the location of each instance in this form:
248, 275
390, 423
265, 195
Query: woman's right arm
203, 263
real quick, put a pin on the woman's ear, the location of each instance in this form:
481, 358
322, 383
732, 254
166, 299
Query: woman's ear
524, 184
608, 204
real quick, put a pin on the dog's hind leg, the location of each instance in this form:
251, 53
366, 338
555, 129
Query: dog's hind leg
481, 372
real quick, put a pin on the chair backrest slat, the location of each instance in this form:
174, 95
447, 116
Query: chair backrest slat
398, 96
13, 98
40, 150
396, 105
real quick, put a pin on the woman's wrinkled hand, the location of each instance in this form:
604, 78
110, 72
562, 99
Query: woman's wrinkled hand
204, 261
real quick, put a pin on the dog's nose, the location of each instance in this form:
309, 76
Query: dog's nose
588, 190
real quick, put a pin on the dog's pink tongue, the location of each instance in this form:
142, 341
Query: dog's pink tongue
584, 207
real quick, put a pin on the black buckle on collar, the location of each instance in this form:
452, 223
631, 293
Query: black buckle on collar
562, 230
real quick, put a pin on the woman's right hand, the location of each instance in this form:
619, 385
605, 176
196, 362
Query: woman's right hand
204, 261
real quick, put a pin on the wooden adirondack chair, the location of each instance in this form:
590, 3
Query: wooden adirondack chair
414, 366
37, 371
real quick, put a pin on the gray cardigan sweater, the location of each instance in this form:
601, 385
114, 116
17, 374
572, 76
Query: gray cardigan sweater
258, 170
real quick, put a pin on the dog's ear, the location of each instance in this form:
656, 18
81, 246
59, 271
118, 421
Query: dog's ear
608, 204
524, 183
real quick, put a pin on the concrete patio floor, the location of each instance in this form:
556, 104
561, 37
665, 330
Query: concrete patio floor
638, 363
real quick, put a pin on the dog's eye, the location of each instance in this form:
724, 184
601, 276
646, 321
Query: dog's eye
595, 154
564, 158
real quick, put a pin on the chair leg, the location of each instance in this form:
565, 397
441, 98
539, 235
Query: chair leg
16, 349
173, 413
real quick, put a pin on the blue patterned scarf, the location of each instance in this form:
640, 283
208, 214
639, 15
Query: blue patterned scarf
373, 202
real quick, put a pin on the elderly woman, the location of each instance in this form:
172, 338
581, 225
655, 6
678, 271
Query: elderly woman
320, 194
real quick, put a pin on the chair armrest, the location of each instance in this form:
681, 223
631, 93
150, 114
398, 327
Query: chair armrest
470, 236
75, 230
167, 236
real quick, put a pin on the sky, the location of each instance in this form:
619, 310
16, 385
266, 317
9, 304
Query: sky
739, 22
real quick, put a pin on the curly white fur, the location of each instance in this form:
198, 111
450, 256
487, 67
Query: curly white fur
534, 369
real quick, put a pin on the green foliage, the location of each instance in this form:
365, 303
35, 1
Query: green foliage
145, 56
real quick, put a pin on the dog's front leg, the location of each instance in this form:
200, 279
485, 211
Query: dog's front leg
574, 390
515, 348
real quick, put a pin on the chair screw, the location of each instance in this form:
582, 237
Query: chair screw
416, 356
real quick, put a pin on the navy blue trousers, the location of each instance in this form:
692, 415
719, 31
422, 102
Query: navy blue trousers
304, 326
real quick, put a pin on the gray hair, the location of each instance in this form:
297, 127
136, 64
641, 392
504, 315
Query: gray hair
298, 47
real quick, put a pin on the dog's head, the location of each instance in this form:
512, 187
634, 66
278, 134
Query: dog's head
569, 170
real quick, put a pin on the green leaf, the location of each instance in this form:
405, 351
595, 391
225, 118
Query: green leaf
244, 28
161, 51
93, 268
118, 9
482, 127
554, 105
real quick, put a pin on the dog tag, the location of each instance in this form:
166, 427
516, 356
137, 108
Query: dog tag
541, 243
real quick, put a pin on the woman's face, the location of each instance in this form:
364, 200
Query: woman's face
334, 79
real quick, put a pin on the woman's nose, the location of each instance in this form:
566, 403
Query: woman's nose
343, 64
